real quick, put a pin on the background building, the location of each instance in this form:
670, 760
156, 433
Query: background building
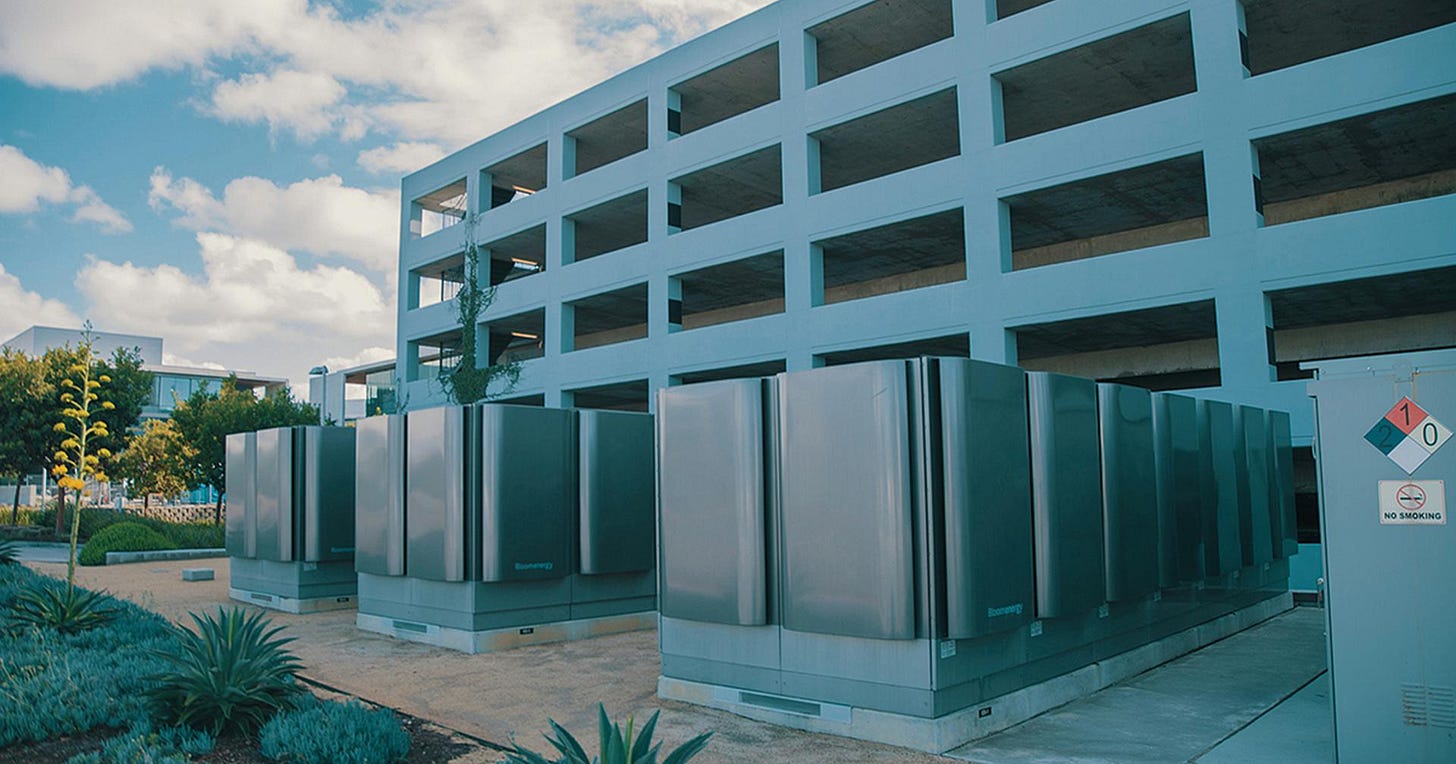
170, 383
1192, 195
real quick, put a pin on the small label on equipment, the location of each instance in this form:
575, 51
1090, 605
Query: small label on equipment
1036, 628
947, 648
528, 630
1412, 502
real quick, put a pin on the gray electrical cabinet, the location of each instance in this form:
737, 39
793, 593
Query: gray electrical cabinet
1256, 537
242, 495
920, 537
1066, 491
528, 483
1282, 521
1222, 450
862, 584
1184, 487
379, 524
1386, 468
617, 497
493, 525
984, 461
291, 517
719, 491
1129, 491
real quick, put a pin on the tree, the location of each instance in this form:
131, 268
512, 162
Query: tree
26, 402
156, 461
78, 459
130, 389
469, 382
205, 420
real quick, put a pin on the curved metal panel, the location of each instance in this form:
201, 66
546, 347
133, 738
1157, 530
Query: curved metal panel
987, 498
379, 529
1223, 456
618, 532
1255, 538
1281, 486
435, 500
711, 513
527, 495
847, 486
1129, 491
242, 495
1066, 491
274, 511
1181, 494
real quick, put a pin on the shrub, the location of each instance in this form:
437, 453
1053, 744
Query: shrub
68, 610
122, 537
144, 745
231, 676
57, 684
9, 552
618, 746
190, 535
334, 733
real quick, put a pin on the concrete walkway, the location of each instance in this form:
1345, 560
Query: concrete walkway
1210, 706
1188, 708
45, 551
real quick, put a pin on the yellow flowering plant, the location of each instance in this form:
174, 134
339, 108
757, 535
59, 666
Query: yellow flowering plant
74, 463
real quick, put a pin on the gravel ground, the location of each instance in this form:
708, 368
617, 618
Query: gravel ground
493, 696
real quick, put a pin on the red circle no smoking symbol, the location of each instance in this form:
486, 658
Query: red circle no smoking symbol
1410, 496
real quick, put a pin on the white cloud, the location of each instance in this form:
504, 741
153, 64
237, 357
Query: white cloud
367, 355
447, 71
253, 306
400, 158
24, 308
27, 183
321, 216
302, 102
176, 360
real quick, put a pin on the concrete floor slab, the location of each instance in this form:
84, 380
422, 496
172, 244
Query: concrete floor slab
1176, 712
1297, 731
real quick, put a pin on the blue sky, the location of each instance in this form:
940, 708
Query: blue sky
225, 174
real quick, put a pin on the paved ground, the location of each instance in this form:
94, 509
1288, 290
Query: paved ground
1173, 713
43, 551
1186, 709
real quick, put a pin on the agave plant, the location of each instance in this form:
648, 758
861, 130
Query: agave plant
67, 610
232, 675
617, 745
9, 551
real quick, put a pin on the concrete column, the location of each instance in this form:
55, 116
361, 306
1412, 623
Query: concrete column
802, 269
1244, 326
1228, 162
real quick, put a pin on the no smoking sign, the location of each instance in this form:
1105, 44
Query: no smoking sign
1412, 502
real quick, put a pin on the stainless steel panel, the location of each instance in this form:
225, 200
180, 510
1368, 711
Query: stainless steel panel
1129, 491
847, 485
987, 497
1222, 453
242, 494
327, 495
435, 493
618, 528
528, 499
379, 529
1181, 493
1255, 539
1281, 486
712, 510
1066, 491
275, 495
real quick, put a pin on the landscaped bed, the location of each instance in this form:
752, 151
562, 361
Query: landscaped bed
125, 688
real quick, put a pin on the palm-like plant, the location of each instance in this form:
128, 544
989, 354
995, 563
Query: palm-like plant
9, 551
232, 675
617, 745
68, 610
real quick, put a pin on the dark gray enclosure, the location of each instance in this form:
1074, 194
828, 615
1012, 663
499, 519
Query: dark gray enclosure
1129, 491
528, 484
718, 492
1066, 490
617, 501
379, 523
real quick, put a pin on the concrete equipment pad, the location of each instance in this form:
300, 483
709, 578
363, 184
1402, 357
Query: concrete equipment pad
1179, 711
1296, 731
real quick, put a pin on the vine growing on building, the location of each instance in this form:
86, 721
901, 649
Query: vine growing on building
469, 381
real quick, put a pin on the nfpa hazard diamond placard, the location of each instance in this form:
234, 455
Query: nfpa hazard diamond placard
1408, 435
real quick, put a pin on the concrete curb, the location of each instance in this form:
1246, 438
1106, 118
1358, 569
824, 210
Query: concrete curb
120, 558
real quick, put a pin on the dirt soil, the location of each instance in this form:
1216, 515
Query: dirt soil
495, 697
